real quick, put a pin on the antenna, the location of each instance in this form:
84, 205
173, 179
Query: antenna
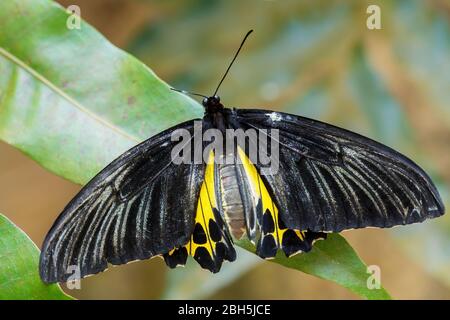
187, 92
232, 61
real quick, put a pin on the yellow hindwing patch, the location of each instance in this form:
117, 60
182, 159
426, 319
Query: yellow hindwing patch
208, 244
206, 203
271, 226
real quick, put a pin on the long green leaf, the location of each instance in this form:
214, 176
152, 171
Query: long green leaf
335, 260
19, 259
73, 102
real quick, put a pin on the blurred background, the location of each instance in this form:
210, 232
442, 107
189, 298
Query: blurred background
316, 59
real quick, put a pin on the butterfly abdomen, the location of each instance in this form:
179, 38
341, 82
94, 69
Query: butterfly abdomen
232, 205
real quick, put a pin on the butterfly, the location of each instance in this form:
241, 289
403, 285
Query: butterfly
143, 204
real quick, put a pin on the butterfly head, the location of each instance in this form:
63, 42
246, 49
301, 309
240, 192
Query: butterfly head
212, 104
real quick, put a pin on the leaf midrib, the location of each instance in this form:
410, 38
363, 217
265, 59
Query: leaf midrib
64, 95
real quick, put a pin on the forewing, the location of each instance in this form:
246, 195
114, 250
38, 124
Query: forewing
141, 205
331, 179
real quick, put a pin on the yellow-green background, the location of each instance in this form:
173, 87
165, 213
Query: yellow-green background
313, 58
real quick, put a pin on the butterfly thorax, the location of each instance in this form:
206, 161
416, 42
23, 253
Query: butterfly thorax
214, 112
212, 105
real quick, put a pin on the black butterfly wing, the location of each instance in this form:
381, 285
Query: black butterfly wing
331, 179
141, 205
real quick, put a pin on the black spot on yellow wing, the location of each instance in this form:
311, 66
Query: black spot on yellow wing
176, 257
199, 235
268, 246
291, 242
214, 231
274, 233
209, 243
204, 258
223, 252
295, 241
268, 225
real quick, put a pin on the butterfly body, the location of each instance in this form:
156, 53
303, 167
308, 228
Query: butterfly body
231, 200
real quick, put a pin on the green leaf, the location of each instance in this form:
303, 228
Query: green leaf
73, 102
19, 260
334, 260
69, 98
